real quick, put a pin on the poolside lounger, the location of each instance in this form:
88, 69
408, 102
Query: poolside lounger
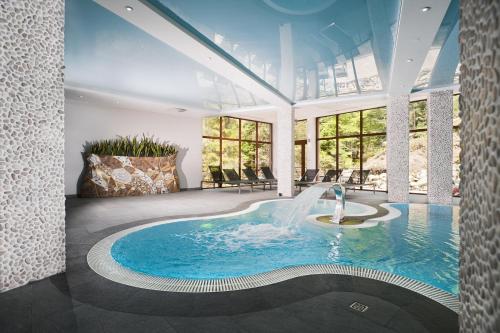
268, 174
359, 179
344, 176
218, 177
331, 176
307, 179
251, 175
235, 178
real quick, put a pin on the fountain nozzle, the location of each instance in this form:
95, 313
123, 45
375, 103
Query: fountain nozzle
338, 214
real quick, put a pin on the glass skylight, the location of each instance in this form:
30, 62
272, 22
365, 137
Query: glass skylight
338, 47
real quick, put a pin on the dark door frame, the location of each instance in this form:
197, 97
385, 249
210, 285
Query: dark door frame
303, 144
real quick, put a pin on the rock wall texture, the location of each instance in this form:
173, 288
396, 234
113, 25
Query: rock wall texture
119, 176
31, 141
398, 155
480, 170
440, 147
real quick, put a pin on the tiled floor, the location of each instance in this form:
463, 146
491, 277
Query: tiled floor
82, 301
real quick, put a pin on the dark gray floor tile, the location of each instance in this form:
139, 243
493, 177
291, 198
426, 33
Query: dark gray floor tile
219, 324
404, 322
275, 320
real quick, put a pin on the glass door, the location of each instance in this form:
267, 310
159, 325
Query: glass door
300, 158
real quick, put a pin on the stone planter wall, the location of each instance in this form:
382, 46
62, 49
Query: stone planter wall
119, 176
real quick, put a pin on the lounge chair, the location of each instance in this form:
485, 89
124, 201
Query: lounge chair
359, 179
344, 176
307, 179
331, 176
219, 179
268, 174
235, 179
217, 176
251, 175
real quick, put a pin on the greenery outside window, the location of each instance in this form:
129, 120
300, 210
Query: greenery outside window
354, 141
234, 143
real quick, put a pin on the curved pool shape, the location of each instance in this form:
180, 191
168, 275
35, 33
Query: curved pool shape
420, 244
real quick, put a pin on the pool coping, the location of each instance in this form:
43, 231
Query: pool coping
100, 261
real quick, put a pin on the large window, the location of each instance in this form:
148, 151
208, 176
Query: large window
234, 143
354, 141
418, 147
300, 147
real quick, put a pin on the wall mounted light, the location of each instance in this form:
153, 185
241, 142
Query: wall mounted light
409, 60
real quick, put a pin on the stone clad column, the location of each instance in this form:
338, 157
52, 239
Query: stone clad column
480, 166
285, 146
440, 147
398, 148
32, 229
311, 143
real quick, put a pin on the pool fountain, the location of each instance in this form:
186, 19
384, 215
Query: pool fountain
296, 210
338, 214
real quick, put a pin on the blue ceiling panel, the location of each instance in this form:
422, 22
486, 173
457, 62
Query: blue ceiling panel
339, 46
104, 52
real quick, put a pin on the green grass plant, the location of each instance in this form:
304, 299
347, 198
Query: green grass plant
131, 146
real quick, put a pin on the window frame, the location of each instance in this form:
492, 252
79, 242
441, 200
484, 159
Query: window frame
338, 137
257, 141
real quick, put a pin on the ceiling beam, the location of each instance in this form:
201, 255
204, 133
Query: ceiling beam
416, 33
167, 27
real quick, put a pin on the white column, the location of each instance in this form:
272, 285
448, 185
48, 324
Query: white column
285, 148
312, 83
440, 147
311, 143
398, 148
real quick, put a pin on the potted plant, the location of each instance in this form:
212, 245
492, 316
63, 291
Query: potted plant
129, 166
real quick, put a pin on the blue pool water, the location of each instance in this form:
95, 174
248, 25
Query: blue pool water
421, 244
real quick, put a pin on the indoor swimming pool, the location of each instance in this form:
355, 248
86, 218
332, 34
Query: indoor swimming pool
420, 244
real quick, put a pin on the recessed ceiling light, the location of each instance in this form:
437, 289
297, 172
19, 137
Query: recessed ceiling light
81, 96
181, 110
129, 8
425, 9
409, 60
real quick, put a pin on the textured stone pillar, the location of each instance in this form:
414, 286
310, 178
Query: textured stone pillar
398, 148
31, 141
285, 147
311, 143
480, 168
440, 147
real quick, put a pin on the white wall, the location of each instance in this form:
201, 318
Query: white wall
88, 121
